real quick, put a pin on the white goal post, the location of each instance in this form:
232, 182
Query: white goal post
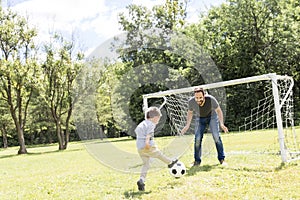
275, 110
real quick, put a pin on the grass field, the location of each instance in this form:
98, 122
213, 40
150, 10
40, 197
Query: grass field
254, 171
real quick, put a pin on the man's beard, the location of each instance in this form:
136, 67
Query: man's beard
200, 103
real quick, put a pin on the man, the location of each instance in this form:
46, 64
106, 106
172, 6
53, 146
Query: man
208, 112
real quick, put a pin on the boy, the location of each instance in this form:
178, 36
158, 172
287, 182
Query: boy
146, 146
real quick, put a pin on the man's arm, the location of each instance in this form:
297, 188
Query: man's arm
189, 118
220, 115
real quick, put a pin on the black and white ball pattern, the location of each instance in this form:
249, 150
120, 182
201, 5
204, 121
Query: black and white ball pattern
178, 170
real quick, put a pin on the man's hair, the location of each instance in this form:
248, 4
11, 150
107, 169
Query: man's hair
152, 112
199, 89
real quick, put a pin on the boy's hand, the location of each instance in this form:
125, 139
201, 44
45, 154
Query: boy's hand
147, 142
147, 146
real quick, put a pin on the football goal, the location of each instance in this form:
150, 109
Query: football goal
254, 103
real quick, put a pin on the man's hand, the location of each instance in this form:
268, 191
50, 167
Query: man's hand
184, 130
224, 128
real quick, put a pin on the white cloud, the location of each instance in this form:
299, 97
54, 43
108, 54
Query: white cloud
60, 14
67, 16
94, 20
148, 3
63, 10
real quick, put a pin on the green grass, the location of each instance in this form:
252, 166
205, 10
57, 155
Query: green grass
254, 171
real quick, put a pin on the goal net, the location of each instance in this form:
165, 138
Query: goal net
264, 102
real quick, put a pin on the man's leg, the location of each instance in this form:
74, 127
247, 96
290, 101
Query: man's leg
200, 126
214, 127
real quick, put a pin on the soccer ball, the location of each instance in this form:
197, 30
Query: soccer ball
178, 170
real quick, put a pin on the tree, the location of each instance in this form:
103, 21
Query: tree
139, 25
40, 121
5, 123
92, 109
18, 68
61, 67
104, 102
249, 37
147, 43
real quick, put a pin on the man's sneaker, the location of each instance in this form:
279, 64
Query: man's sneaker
172, 163
141, 185
196, 163
222, 162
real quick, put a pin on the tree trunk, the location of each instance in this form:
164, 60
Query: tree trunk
20, 132
67, 137
4, 139
60, 136
4, 136
68, 122
102, 135
22, 149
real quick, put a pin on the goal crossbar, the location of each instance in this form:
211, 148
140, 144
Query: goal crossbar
217, 85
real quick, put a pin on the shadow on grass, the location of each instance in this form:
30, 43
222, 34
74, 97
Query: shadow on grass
247, 169
54, 151
38, 153
132, 194
9, 156
137, 194
106, 140
282, 166
204, 168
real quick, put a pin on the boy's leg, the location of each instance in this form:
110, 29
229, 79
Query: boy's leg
144, 170
156, 153
146, 165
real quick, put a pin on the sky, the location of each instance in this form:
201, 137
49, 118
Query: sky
92, 21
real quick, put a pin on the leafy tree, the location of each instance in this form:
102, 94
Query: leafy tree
248, 38
140, 48
91, 108
147, 44
106, 114
6, 123
40, 121
18, 68
60, 70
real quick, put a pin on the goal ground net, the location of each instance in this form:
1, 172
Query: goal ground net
269, 105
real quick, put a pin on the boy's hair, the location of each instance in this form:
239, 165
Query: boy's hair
152, 112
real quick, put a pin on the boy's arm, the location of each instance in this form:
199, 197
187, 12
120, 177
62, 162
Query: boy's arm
147, 142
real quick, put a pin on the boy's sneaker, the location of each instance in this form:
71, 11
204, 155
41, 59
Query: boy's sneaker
172, 163
141, 185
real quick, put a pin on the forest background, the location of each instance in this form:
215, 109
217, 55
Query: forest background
38, 81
